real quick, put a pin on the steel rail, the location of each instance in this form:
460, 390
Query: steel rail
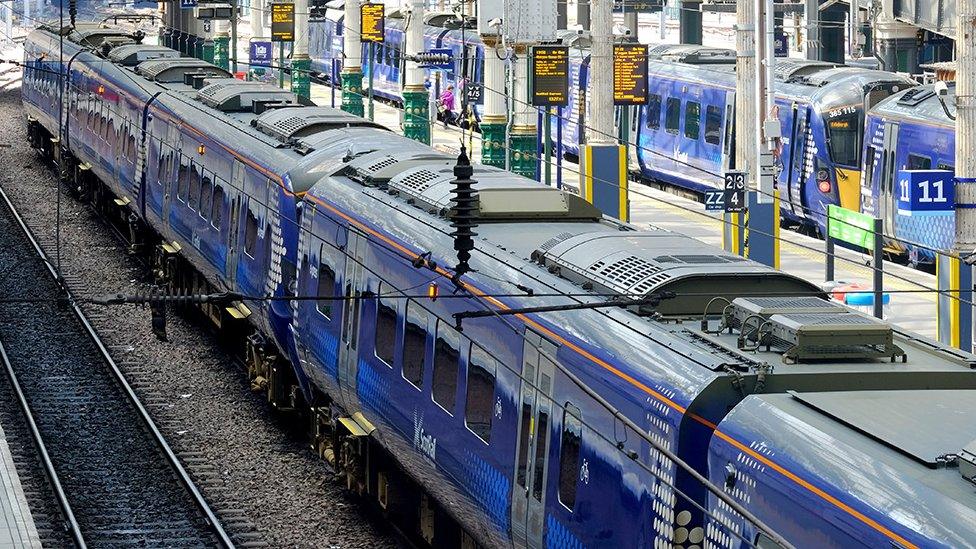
218, 530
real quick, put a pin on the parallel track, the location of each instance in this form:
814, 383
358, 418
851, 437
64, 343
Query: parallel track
115, 477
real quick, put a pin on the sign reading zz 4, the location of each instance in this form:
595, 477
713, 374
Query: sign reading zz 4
735, 192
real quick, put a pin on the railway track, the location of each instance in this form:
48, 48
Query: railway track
114, 476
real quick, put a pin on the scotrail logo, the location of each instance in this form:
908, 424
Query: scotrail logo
423, 442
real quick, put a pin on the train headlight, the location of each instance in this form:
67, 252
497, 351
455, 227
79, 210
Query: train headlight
823, 180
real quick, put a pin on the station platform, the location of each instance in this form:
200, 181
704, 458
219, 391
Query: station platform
17, 528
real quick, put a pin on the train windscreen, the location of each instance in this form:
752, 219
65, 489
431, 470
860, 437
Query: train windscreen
843, 138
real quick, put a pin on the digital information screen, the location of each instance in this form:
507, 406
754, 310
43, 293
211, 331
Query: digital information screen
282, 22
629, 74
550, 76
371, 23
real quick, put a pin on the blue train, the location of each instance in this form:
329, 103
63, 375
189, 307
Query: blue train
685, 135
913, 130
513, 405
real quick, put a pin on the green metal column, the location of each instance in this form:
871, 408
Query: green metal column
522, 144
209, 51
352, 91
299, 76
416, 113
222, 51
493, 141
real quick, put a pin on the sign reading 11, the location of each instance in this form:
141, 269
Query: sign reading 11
925, 191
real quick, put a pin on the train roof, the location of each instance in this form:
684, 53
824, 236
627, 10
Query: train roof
914, 447
920, 104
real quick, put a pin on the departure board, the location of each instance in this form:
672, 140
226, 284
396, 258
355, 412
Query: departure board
282, 22
550, 76
629, 74
371, 22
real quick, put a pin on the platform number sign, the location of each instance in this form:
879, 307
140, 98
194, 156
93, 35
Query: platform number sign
735, 191
715, 200
926, 192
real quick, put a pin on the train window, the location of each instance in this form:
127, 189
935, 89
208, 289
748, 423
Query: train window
947, 167
217, 208
183, 179
325, 287
673, 115
918, 162
713, 125
250, 232
480, 399
569, 455
653, 111
446, 357
194, 199
206, 195
843, 139
693, 120
386, 327
538, 476
523, 445
414, 343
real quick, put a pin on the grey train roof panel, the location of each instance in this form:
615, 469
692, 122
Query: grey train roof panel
131, 55
903, 419
640, 263
294, 122
236, 95
171, 71
919, 104
693, 54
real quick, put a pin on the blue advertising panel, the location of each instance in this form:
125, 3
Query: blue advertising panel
261, 54
926, 192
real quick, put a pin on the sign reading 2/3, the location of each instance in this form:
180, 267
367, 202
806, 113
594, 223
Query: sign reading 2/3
735, 191
926, 192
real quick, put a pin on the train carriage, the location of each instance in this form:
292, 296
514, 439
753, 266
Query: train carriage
913, 130
442, 397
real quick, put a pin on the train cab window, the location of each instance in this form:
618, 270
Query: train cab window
479, 404
673, 115
217, 208
947, 167
386, 327
918, 162
414, 343
326, 285
446, 357
206, 195
194, 199
692, 120
843, 139
183, 180
653, 111
569, 455
713, 125
250, 232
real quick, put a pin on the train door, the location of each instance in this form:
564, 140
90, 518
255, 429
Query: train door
353, 287
887, 206
532, 450
796, 159
235, 197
